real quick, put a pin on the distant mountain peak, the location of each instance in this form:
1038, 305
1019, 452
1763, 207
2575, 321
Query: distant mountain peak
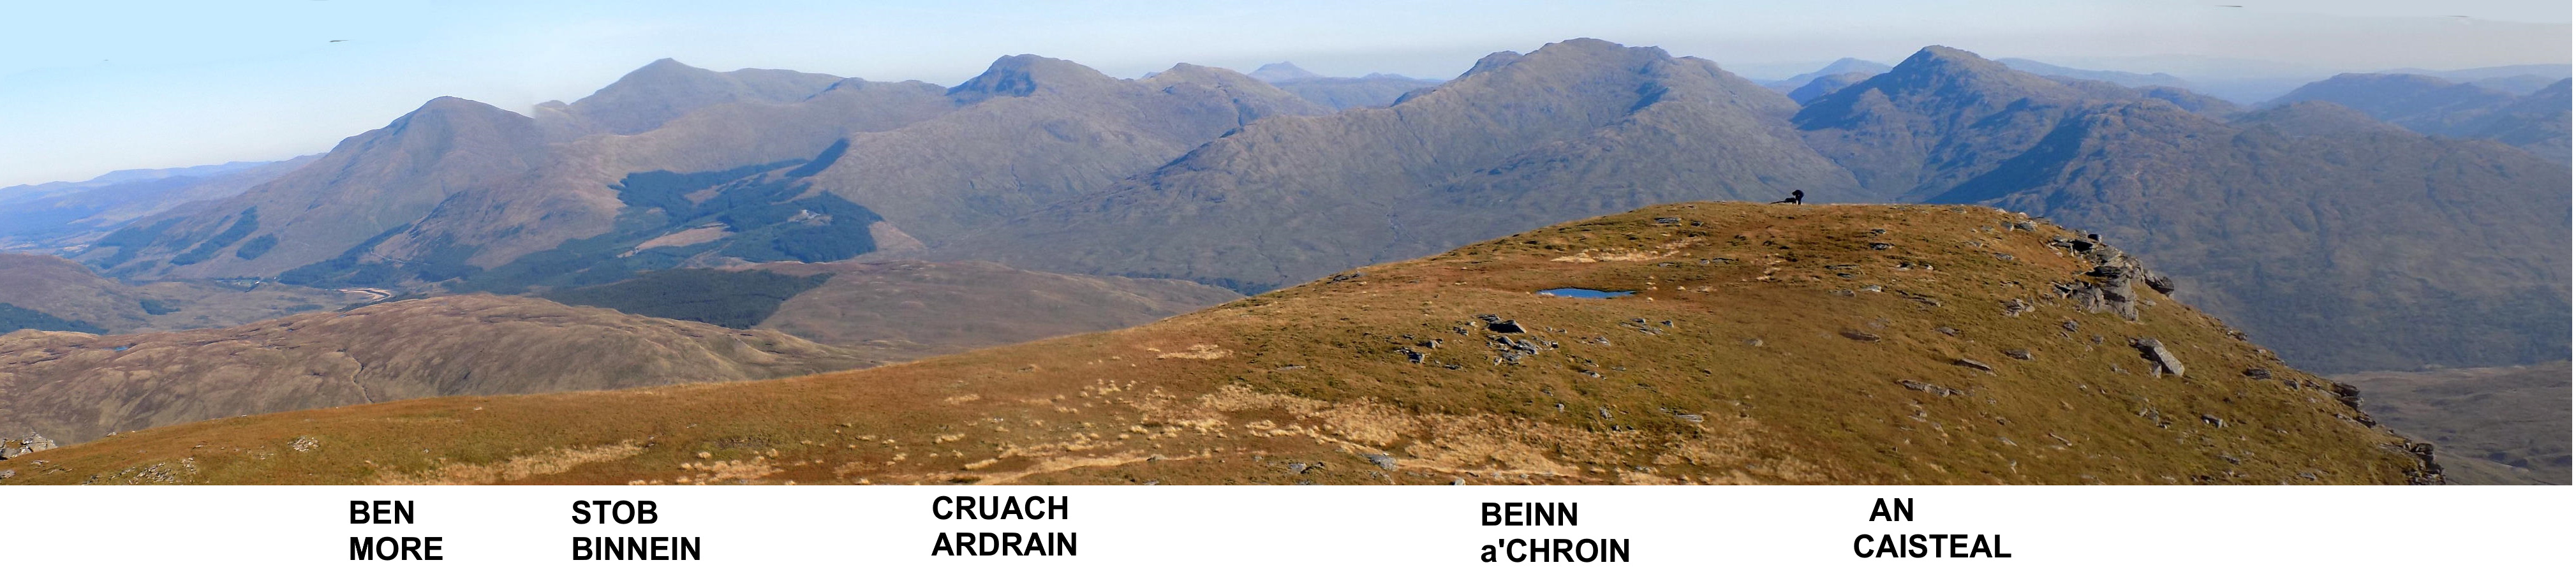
1576, 52
666, 89
1492, 61
668, 64
1937, 56
1806, 84
1849, 65
1026, 74
1594, 49
660, 71
1188, 73
455, 106
1282, 71
1961, 74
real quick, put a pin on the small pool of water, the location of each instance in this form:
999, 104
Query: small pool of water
1583, 293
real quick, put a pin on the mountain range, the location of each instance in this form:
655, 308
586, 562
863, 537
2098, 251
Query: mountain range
2130, 79
1373, 90
1207, 175
2537, 121
1576, 128
59, 217
1842, 67
2324, 246
1841, 344
2351, 229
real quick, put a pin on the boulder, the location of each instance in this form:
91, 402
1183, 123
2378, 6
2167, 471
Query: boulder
2349, 395
1935, 390
2114, 291
2160, 282
34, 442
1382, 460
2016, 307
2156, 352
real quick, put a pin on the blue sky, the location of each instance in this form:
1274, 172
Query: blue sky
87, 87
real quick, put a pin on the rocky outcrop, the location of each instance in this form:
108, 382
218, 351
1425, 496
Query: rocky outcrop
2426, 471
22, 447
2115, 279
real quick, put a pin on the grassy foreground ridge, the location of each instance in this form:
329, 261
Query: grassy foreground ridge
1763, 344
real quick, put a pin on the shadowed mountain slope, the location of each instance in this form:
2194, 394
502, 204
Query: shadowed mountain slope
1028, 132
1764, 344
458, 186
1823, 85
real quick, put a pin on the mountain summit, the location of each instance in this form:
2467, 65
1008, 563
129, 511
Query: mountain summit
1845, 66
667, 89
1373, 90
371, 184
1026, 74
1282, 71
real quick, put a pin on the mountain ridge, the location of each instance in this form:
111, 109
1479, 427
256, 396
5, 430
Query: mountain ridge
1593, 92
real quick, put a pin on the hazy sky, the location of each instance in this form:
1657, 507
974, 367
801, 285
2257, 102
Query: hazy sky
91, 86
